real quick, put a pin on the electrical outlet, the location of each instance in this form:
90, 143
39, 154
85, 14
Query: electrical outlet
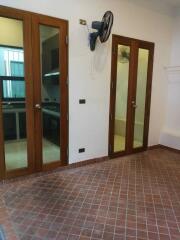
82, 101
81, 150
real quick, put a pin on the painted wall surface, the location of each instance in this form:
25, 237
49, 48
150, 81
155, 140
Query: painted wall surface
11, 35
175, 53
89, 72
170, 134
11, 32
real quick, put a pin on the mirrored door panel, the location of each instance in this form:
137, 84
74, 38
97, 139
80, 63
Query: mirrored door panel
122, 80
13, 93
139, 104
50, 93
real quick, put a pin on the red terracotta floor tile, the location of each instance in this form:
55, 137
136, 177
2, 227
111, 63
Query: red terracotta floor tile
135, 197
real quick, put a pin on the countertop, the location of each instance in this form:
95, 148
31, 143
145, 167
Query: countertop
52, 109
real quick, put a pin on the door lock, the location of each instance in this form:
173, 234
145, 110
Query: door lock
134, 104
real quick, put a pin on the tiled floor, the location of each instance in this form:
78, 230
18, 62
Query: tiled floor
135, 197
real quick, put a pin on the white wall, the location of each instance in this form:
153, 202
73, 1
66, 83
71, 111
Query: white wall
170, 134
11, 32
89, 73
175, 53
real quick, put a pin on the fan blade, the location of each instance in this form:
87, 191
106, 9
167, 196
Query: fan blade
108, 23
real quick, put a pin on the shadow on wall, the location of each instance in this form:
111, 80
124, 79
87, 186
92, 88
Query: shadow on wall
101, 56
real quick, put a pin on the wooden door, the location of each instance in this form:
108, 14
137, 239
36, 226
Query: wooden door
131, 78
50, 91
33, 93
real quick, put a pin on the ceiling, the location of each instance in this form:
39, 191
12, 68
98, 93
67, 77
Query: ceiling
173, 3
170, 7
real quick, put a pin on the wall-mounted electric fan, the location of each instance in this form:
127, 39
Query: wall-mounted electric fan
103, 29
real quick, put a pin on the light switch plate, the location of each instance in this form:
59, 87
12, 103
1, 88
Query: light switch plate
82, 22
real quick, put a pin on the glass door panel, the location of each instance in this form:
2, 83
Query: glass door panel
50, 93
13, 94
139, 105
122, 79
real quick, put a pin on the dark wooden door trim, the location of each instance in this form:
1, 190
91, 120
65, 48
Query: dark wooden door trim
2, 159
134, 44
62, 25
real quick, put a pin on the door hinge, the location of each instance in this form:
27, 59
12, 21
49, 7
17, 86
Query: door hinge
67, 40
67, 80
111, 116
114, 50
67, 152
110, 147
112, 85
67, 117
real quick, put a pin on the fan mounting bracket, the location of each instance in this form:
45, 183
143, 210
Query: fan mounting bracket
83, 22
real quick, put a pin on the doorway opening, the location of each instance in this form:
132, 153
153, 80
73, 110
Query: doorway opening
131, 79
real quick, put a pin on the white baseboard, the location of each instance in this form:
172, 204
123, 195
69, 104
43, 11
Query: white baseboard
170, 140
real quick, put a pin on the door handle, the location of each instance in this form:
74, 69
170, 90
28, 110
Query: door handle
38, 106
134, 104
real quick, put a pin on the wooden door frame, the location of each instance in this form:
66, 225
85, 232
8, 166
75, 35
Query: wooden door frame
134, 44
62, 25
2, 159
27, 17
